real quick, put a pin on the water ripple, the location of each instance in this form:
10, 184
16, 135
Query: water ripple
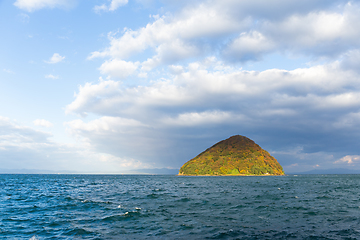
172, 207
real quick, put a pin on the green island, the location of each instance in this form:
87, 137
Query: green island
237, 155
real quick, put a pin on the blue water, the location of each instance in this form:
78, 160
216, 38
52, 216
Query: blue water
178, 207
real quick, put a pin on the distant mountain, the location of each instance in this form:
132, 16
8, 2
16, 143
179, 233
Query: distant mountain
157, 171
237, 155
32, 171
329, 171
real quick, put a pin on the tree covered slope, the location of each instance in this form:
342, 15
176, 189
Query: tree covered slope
237, 155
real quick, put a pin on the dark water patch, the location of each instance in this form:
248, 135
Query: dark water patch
240, 206
79, 232
348, 233
230, 234
153, 196
311, 213
185, 199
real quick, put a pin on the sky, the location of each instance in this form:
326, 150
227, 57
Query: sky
112, 86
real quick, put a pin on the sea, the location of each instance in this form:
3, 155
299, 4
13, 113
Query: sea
179, 207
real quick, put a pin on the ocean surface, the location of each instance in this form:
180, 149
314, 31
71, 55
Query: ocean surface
179, 207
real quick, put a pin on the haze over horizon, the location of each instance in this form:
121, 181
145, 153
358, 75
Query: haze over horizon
114, 86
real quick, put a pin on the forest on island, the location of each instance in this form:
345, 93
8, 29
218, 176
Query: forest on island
237, 155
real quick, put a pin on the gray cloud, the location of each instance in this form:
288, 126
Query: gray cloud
309, 109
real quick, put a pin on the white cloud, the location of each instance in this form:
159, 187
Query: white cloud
15, 135
318, 33
249, 46
318, 87
170, 53
321, 33
340, 100
33, 5
56, 58
349, 159
240, 31
109, 124
107, 89
115, 4
51, 76
171, 33
118, 69
42, 123
202, 118
176, 69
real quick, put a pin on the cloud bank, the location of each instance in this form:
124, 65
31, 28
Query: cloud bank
198, 91
208, 101
233, 35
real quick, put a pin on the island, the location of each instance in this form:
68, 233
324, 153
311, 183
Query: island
237, 155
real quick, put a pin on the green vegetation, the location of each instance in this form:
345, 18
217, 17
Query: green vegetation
237, 155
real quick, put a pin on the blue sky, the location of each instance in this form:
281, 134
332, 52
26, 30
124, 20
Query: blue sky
108, 86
